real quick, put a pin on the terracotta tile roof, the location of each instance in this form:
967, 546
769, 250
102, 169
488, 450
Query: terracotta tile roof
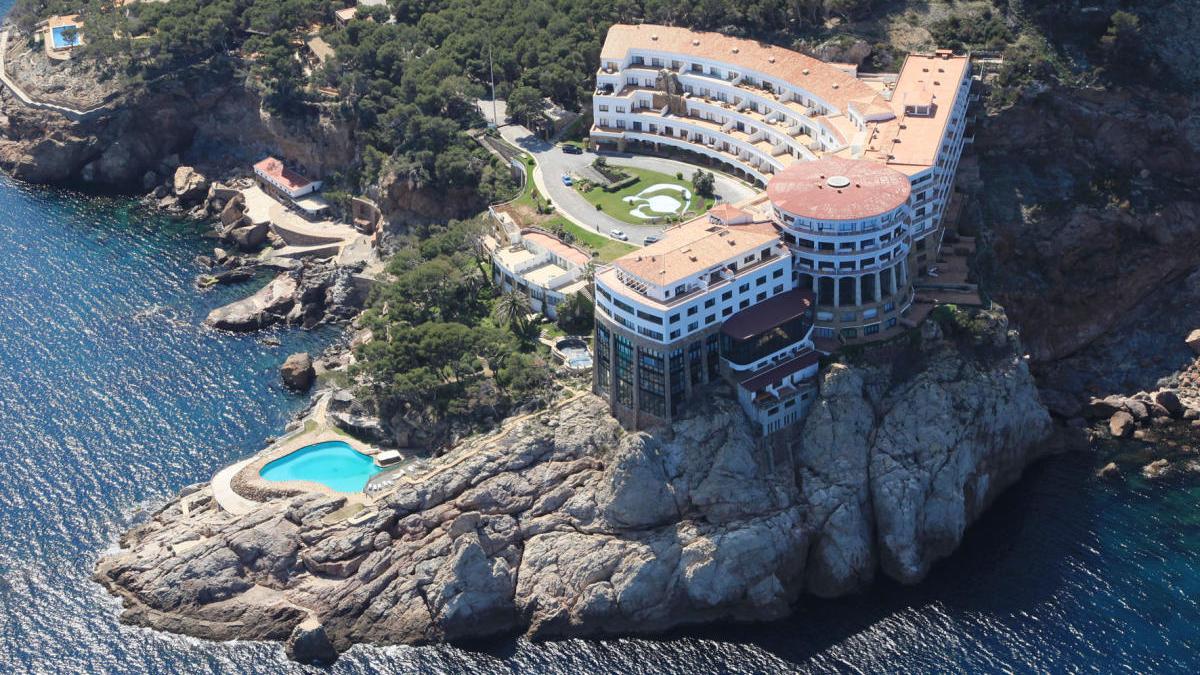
914, 141
833, 188
727, 212
692, 248
557, 247
827, 82
275, 169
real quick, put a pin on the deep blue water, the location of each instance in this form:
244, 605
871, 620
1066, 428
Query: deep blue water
112, 398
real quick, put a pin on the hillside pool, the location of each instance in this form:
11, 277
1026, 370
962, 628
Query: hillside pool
62, 38
333, 463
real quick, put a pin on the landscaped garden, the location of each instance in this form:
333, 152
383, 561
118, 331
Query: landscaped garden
641, 196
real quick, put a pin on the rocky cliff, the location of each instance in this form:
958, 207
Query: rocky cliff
565, 524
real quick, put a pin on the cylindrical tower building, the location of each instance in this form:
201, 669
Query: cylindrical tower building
847, 224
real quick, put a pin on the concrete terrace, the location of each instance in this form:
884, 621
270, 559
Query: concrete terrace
324, 238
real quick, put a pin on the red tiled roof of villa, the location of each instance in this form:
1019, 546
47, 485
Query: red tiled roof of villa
274, 168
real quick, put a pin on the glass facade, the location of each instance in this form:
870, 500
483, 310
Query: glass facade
652, 395
677, 383
624, 363
755, 347
603, 360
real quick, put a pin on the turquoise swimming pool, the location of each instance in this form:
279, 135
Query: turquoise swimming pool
332, 463
64, 36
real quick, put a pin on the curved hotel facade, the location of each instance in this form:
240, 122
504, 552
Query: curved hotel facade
756, 109
857, 176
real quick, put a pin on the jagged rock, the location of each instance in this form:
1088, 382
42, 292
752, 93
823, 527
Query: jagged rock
566, 524
1121, 424
297, 372
204, 261
268, 306
309, 644
1191, 414
1193, 341
1137, 408
366, 427
1061, 404
220, 255
189, 185
248, 237
1103, 408
1170, 402
1109, 471
1156, 469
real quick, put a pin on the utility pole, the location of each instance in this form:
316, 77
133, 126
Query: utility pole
492, 76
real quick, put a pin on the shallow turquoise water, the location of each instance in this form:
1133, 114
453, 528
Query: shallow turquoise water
333, 463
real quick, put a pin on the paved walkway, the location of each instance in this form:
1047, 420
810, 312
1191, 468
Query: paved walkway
222, 487
23, 97
552, 163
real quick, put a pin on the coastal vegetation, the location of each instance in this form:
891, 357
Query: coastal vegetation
445, 346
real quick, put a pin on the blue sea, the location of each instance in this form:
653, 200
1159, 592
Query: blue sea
112, 397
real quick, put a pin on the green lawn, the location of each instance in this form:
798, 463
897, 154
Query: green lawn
608, 249
614, 204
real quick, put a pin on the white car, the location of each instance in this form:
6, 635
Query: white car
618, 234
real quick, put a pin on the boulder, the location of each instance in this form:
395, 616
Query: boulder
1169, 400
1121, 424
1193, 340
1137, 408
249, 237
1156, 469
1109, 471
310, 644
1191, 414
297, 372
1102, 408
189, 185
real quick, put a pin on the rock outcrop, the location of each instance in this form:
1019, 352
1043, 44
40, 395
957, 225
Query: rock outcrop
312, 293
297, 372
565, 524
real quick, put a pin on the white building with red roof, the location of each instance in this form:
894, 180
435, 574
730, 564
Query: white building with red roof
282, 180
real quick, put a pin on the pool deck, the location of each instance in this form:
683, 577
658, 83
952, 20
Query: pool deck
239, 489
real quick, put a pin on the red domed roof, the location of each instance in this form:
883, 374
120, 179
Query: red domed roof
833, 188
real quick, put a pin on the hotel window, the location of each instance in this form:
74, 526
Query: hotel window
743, 288
650, 317
726, 295
709, 302
727, 311
691, 311
674, 318
674, 334
693, 326
776, 274
760, 297
777, 290
620, 108
748, 259
743, 304
603, 107
709, 319
760, 281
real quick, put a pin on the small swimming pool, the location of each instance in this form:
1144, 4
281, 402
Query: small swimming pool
332, 463
65, 36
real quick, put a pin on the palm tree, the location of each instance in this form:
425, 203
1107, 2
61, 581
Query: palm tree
511, 309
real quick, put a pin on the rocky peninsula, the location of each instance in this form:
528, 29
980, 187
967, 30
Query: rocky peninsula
565, 524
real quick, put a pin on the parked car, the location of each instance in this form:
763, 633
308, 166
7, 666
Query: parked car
571, 149
618, 234
650, 240
566, 178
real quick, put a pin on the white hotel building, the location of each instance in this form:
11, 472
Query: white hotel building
857, 173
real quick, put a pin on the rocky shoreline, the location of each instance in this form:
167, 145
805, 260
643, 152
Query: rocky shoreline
565, 524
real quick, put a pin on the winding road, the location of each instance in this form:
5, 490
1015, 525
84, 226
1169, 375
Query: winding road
552, 163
